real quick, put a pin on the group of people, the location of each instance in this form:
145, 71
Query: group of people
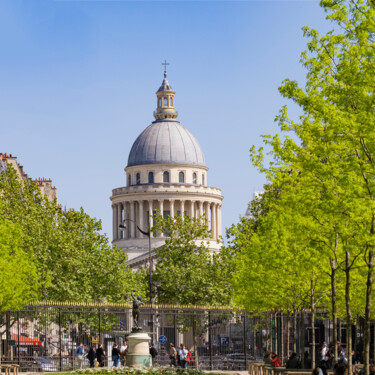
97, 356
179, 357
325, 361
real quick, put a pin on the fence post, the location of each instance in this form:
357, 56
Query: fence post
100, 335
18, 338
244, 338
210, 339
60, 341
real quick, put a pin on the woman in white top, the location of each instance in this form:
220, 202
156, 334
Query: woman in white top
183, 353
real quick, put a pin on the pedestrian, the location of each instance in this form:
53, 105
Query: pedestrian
91, 356
341, 355
183, 354
306, 361
275, 360
123, 352
324, 353
267, 358
339, 369
172, 355
115, 355
153, 351
330, 355
293, 361
100, 355
78, 354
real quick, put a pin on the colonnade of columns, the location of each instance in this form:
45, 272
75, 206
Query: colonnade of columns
137, 212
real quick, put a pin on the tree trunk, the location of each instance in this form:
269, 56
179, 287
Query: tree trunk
334, 308
302, 337
295, 331
287, 335
195, 346
348, 314
367, 333
281, 338
312, 325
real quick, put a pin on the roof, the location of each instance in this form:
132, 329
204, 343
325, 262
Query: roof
166, 142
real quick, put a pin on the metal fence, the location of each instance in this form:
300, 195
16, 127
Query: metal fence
44, 337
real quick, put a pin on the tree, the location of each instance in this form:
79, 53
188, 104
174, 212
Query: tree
325, 169
187, 270
18, 274
74, 261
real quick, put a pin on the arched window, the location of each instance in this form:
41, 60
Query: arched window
138, 178
129, 180
159, 102
181, 177
150, 177
194, 178
165, 102
203, 179
166, 176
171, 102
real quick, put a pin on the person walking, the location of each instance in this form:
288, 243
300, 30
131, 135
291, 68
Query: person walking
123, 351
172, 355
78, 354
115, 355
324, 354
183, 354
100, 355
91, 356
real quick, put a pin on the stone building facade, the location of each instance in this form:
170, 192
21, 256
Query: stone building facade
166, 171
44, 184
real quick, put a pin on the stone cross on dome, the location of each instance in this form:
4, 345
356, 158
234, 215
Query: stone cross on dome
165, 63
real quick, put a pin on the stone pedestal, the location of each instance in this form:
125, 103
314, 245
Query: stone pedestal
138, 350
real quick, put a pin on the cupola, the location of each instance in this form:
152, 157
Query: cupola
165, 101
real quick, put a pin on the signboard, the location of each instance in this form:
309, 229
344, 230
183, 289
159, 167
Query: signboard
95, 340
162, 339
66, 336
12, 342
224, 340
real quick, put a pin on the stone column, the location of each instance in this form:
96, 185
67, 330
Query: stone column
113, 222
200, 208
171, 207
161, 209
140, 218
192, 204
126, 216
219, 220
132, 219
213, 222
207, 212
119, 220
182, 208
150, 212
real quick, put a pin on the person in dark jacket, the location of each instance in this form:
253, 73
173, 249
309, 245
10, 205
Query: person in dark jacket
100, 355
153, 351
91, 356
306, 361
293, 361
115, 355
267, 358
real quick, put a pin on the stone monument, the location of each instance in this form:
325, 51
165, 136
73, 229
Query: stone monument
138, 355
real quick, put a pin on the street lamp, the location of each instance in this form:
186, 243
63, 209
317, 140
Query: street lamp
148, 234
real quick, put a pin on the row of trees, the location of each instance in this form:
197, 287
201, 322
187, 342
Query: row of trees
311, 240
47, 253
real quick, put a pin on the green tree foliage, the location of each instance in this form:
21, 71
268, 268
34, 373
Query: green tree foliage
74, 261
18, 274
323, 166
187, 270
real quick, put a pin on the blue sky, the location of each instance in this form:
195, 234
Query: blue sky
78, 82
